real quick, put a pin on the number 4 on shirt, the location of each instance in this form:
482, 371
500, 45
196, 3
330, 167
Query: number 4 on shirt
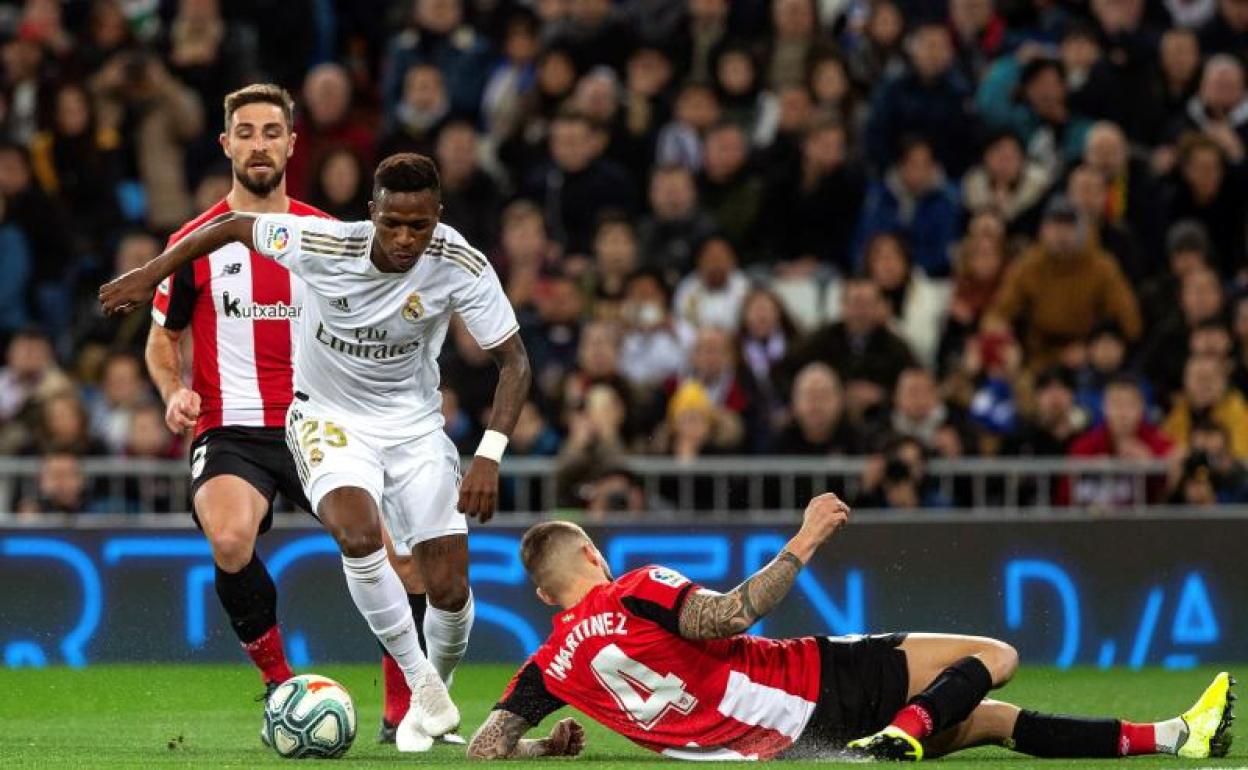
627, 679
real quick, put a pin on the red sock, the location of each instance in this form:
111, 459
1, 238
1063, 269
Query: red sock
398, 696
266, 652
914, 720
1136, 739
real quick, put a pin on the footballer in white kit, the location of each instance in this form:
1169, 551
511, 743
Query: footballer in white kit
365, 426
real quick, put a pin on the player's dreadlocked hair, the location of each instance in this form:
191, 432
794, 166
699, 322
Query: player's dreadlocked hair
407, 172
260, 93
544, 545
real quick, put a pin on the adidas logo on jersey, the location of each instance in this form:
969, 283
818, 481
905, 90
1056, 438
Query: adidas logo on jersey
233, 307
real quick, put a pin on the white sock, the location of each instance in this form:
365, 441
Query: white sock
379, 594
446, 636
1167, 734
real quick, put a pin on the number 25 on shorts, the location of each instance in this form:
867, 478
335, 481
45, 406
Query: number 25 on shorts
313, 432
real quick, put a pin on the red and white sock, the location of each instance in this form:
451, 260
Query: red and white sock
914, 720
398, 696
267, 653
1150, 737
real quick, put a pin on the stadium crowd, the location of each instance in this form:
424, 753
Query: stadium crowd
898, 228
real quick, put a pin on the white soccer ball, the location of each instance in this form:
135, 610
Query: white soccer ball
310, 716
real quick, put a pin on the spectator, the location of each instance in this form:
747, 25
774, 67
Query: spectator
1058, 290
459, 426
578, 184
1208, 190
148, 437
1178, 76
16, 267
23, 64
706, 28
135, 90
1227, 32
1187, 249
597, 439
617, 494
615, 259
767, 334
1054, 420
326, 123
1240, 332
1087, 190
512, 82
596, 33
676, 223
1026, 95
1208, 395
30, 374
552, 334
919, 413
1200, 300
794, 42
897, 479
471, 199
1126, 435
1007, 183
819, 425
837, 99
525, 251
979, 36
679, 143
877, 54
420, 116
648, 78
1220, 108
979, 269
711, 296
814, 219
206, 53
929, 101
696, 426
916, 201
78, 164
1106, 361
61, 426
437, 35
108, 33
741, 95
597, 360
341, 188
62, 487
99, 335
992, 372
796, 116
917, 302
523, 149
1209, 474
866, 354
472, 371
533, 436
729, 190
651, 351
123, 389
1130, 43
713, 365
1132, 199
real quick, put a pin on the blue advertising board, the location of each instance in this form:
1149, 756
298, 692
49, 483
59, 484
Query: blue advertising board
1115, 592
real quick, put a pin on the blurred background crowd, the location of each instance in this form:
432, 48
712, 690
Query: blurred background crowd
902, 229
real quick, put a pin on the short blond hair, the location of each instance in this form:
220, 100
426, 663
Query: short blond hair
544, 545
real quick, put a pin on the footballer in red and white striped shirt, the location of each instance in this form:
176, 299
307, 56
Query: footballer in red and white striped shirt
665, 663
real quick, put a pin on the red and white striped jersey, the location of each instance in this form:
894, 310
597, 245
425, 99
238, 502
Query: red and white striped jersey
243, 311
617, 657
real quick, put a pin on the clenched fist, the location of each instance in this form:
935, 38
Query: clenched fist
824, 516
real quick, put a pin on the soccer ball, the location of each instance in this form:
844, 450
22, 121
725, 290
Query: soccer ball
310, 716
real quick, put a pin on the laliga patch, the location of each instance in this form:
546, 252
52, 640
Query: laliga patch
198, 458
276, 238
667, 577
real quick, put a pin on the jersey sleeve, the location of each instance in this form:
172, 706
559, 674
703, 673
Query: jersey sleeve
307, 245
656, 594
174, 300
481, 301
527, 697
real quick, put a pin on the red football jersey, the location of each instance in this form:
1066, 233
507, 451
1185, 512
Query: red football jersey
242, 309
617, 656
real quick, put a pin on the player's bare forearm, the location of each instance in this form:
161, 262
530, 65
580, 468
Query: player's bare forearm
127, 291
514, 378
711, 615
164, 360
501, 738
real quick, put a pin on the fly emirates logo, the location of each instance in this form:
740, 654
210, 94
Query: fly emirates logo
602, 624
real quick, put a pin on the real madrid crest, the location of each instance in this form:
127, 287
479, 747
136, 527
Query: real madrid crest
413, 309
315, 457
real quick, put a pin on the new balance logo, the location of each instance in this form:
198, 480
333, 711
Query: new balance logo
233, 307
340, 303
234, 268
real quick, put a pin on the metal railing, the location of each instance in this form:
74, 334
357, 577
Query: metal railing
742, 484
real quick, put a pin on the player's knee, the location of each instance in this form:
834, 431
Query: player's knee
232, 549
357, 542
1001, 660
450, 594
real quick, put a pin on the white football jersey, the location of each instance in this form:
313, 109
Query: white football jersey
369, 339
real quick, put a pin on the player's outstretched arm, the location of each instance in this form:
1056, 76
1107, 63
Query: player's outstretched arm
135, 287
711, 615
478, 492
500, 738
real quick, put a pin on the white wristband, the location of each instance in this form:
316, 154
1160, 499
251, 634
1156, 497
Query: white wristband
492, 445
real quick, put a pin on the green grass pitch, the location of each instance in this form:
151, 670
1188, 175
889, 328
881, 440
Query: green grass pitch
202, 716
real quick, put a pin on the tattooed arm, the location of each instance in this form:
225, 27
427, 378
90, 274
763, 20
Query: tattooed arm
500, 738
711, 615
